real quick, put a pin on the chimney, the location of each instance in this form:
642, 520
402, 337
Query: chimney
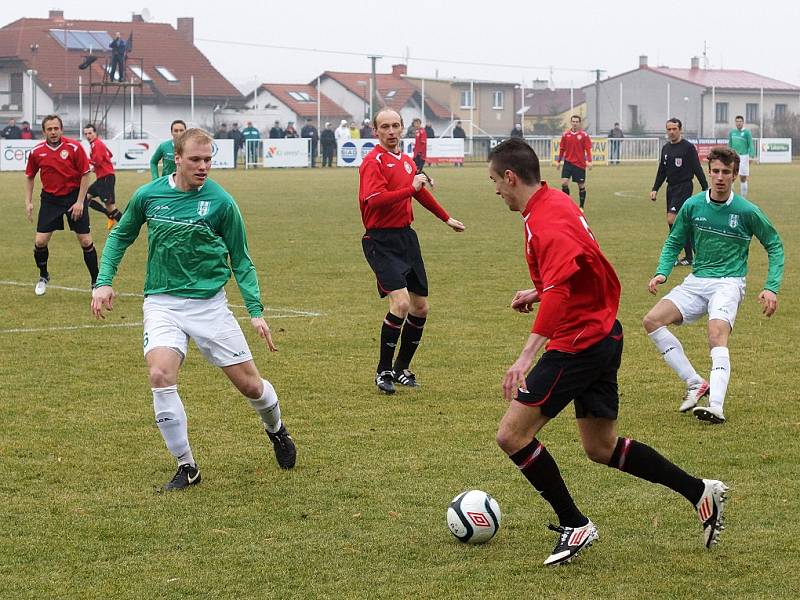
186, 28
136, 18
399, 70
695, 63
56, 15
642, 60
539, 84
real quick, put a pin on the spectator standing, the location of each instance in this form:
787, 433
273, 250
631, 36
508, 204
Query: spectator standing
459, 133
328, 140
238, 140
25, 133
250, 140
11, 131
310, 132
429, 131
355, 132
290, 131
342, 132
118, 50
276, 132
366, 130
614, 137
517, 131
222, 132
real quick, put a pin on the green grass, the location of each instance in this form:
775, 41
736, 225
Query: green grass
362, 515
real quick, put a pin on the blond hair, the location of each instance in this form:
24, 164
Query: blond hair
192, 134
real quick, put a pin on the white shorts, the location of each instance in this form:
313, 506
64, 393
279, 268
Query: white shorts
169, 322
719, 297
744, 165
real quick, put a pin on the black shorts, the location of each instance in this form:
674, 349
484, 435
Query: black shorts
570, 171
588, 377
395, 258
103, 188
53, 209
678, 194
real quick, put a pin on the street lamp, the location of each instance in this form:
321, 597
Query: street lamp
685, 112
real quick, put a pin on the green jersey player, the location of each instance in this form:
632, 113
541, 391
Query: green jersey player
741, 141
165, 153
195, 239
721, 224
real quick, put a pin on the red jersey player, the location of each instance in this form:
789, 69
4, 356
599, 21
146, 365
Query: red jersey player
64, 170
578, 294
576, 151
420, 144
103, 187
388, 182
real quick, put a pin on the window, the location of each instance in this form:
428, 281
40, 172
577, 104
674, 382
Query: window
780, 112
721, 112
497, 99
390, 94
166, 74
139, 73
81, 39
466, 99
751, 113
301, 96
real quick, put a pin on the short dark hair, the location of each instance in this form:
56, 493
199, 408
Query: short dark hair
175, 122
576, 117
677, 121
738, 117
727, 156
90, 126
52, 118
517, 156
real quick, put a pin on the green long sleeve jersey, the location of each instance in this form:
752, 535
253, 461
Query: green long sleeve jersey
721, 234
166, 154
741, 140
191, 239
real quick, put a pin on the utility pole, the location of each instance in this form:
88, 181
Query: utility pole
597, 101
374, 103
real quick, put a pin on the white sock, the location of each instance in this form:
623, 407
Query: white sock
672, 351
171, 421
743, 189
267, 407
720, 376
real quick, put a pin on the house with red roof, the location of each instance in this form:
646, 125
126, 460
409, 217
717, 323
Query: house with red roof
706, 100
548, 111
58, 65
295, 102
394, 90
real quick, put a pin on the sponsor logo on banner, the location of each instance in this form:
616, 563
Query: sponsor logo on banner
733, 221
366, 149
137, 152
15, 153
349, 152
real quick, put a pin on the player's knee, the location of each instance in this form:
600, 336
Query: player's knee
599, 452
508, 440
650, 322
251, 387
160, 377
420, 310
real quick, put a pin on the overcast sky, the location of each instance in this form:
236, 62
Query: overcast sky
512, 40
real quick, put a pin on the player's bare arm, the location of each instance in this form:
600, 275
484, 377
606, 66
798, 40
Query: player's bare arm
769, 302
655, 282
29, 198
263, 330
456, 224
515, 376
524, 300
102, 298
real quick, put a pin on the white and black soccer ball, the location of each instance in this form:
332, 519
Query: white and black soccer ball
473, 517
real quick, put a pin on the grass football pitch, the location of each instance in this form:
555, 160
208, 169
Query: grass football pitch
363, 513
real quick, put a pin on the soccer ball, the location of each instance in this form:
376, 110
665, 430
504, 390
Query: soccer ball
473, 517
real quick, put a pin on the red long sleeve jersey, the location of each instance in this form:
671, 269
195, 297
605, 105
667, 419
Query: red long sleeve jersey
576, 148
578, 287
385, 191
62, 167
101, 159
421, 142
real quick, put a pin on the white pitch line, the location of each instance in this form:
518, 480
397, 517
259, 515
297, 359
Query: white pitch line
294, 312
626, 194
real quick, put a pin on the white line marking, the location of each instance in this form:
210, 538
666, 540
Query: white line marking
292, 311
628, 195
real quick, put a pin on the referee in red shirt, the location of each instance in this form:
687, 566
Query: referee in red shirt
576, 151
103, 187
64, 170
578, 294
388, 181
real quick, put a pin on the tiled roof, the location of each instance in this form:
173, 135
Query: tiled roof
328, 108
158, 44
549, 103
726, 78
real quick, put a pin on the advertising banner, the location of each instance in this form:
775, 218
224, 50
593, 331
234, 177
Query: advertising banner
291, 152
445, 150
14, 154
440, 150
775, 150
599, 149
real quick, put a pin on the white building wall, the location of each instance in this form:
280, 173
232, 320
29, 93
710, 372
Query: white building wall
334, 90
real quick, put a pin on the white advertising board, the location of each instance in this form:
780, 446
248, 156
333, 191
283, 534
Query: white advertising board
775, 150
290, 152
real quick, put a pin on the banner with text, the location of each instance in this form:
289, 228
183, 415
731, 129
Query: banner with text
440, 150
775, 150
289, 152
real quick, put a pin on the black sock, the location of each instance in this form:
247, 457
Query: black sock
582, 196
565, 189
409, 341
98, 206
40, 255
642, 461
390, 333
90, 258
539, 467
